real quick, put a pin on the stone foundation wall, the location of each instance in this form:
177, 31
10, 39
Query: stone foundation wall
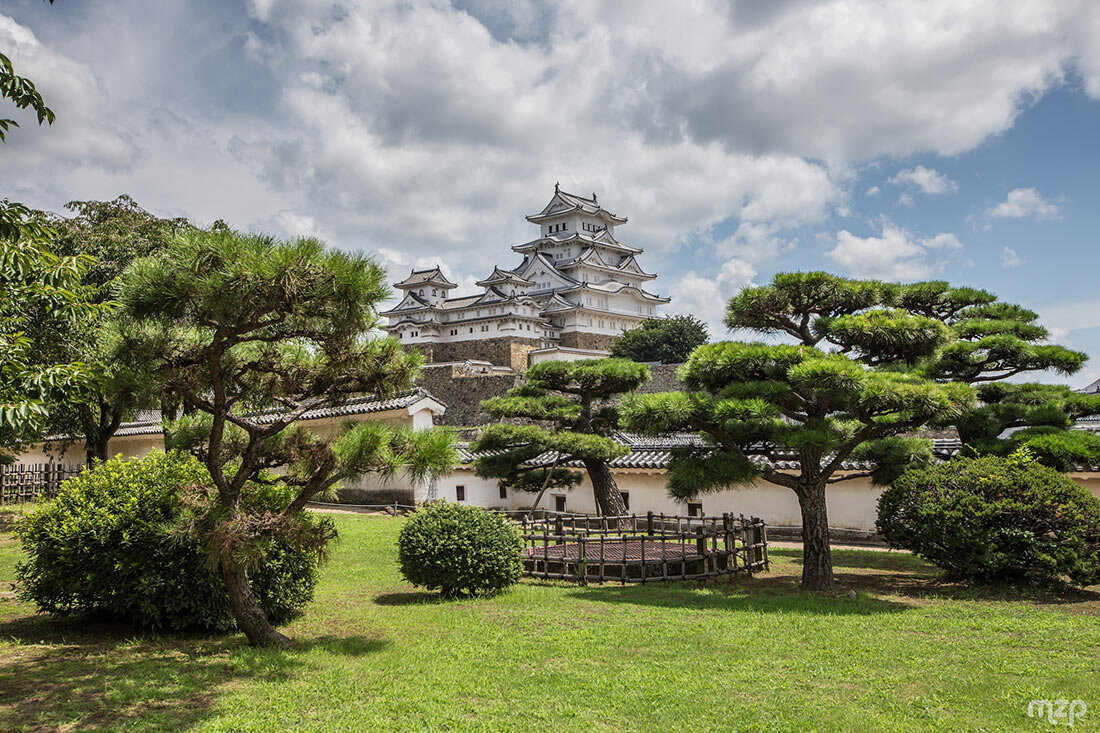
509, 351
577, 340
462, 394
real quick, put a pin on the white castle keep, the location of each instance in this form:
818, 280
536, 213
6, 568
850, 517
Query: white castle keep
576, 289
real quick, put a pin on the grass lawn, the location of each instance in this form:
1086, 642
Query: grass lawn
752, 654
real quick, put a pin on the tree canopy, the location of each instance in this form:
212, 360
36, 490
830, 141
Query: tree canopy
569, 418
295, 336
666, 340
111, 235
856, 397
872, 362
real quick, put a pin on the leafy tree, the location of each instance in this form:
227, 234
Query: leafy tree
37, 288
256, 333
753, 401
114, 233
569, 402
667, 340
22, 92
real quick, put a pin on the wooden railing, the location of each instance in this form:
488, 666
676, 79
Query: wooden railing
641, 548
23, 482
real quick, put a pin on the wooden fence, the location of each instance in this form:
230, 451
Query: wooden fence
641, 549
23, 482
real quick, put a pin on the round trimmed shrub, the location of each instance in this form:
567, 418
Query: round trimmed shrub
991, 520
119, 538
459, 550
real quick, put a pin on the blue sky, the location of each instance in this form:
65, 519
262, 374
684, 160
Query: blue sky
892, 139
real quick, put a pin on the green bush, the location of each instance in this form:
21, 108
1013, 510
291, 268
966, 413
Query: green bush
993, 519
122, 538
459, 550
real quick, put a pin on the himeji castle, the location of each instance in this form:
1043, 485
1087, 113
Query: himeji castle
577, 288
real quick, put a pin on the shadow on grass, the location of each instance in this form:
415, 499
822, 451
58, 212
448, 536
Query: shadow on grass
906, 575
864, 559
409, 598
776, 594
91, 673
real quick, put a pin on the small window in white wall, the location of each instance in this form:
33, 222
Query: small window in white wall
695, 509
559, 503
503, 493
460, 493
626, 498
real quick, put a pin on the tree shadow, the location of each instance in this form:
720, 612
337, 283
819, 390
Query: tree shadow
409, 598
865, 559
906, 575
348, 646
91, 673
775, 594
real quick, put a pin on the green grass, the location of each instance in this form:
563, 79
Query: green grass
372, 653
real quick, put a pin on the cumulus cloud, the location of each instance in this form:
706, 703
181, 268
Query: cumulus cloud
1023, 203
431, 128
1010, 258
873, 191
894, 255
706, 297
925, 180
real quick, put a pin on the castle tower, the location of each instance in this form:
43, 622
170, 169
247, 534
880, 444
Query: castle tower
575, 291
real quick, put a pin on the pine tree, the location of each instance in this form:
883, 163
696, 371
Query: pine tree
851, 389
255, 333
569, 404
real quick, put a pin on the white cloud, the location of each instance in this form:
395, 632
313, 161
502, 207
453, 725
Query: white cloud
873, 191
1010, 258
894, 255
1023, 203
419, 127
705, 297
906, 199
926, 180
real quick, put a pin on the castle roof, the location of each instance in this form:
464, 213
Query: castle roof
602, 238
567, 203
499, 276
433, 276
614, 286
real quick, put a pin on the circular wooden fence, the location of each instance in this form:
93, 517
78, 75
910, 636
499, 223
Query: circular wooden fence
641, 549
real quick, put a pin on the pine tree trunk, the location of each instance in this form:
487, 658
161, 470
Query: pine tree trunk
606, 491
250, 617
817, 559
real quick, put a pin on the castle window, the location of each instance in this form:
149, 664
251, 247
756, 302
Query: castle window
460, 493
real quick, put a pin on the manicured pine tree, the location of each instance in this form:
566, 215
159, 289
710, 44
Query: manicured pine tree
255, 333
754, 403
992, 341
569, 404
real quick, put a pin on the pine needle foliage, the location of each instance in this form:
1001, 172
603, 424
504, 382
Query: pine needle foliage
255, 333
569, 418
